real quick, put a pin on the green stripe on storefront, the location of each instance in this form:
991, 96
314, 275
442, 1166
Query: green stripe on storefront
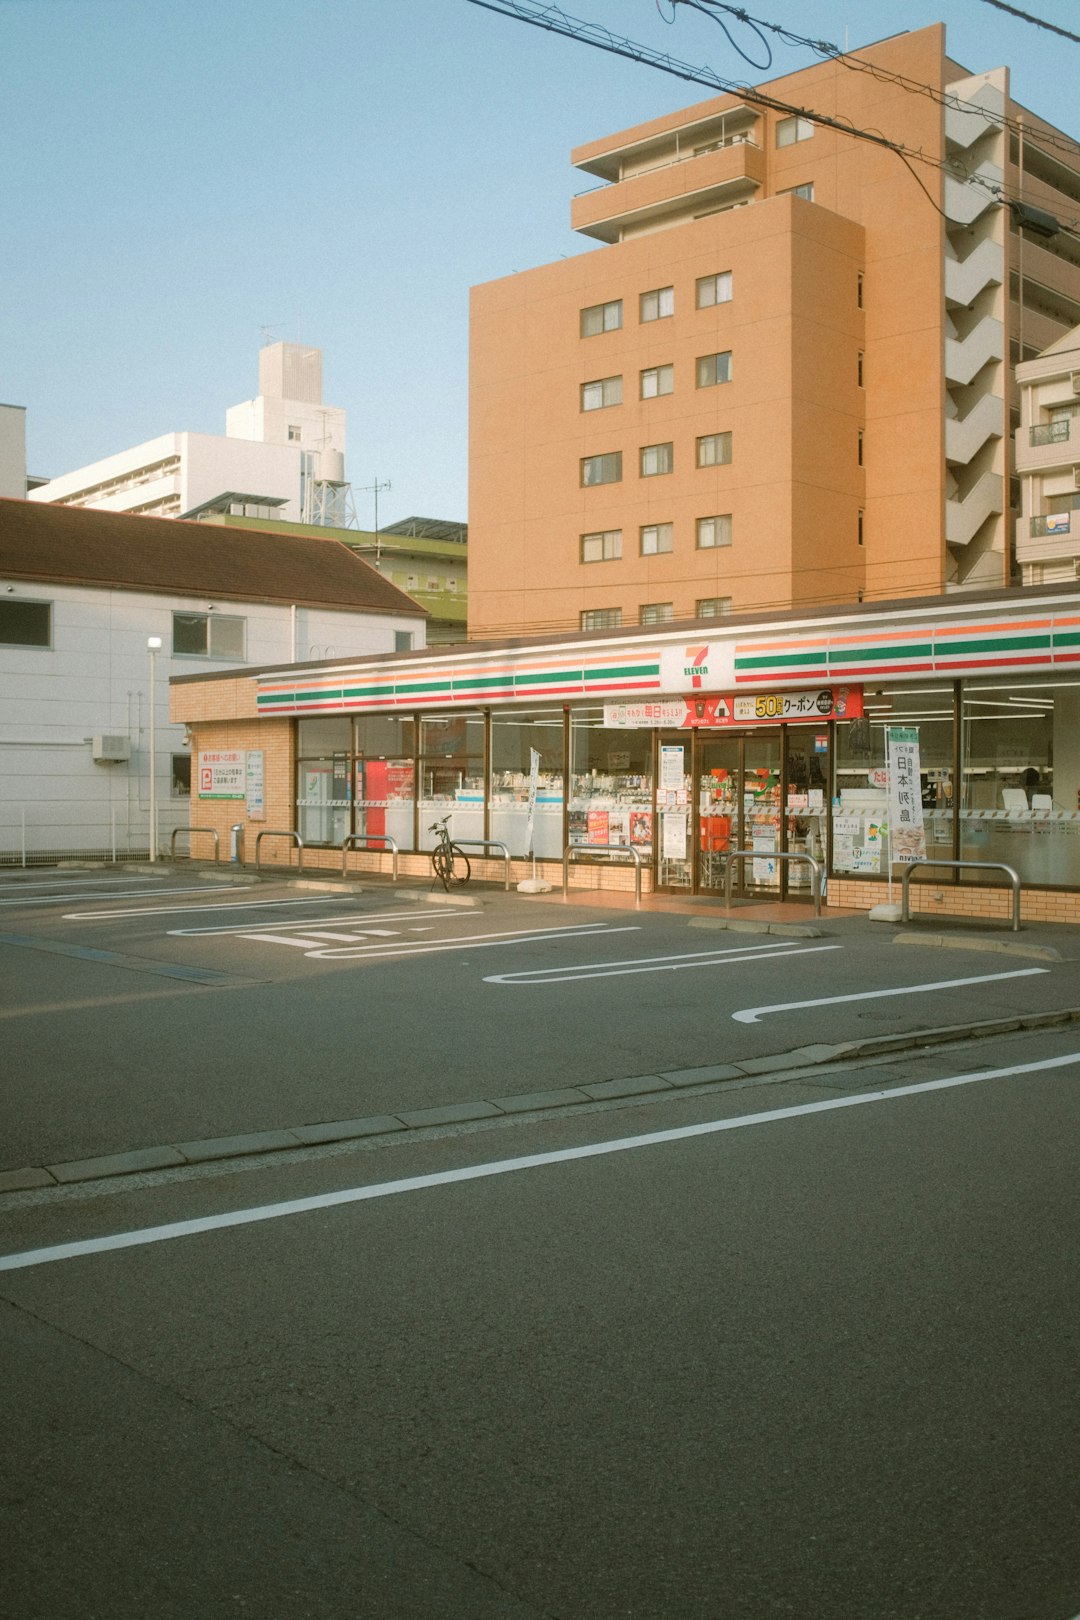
994, 644
785, 661
878, 655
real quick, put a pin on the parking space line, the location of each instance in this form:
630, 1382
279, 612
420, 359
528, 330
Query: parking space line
500, 1167
750, 1015
125, 894
469, 942
358, 917
657, 964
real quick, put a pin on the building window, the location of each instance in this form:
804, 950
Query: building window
294, 433
859, 289
656, 305
657, 380
403, 640
208, 635
181, 776
714, 290
806, 191
859, 368
601, 619
25, 624
714, 450
657, 537
603, 546
596, 395
656, 612
714, 531
860, 449
713, 607
601, 318
860, 526
790, 130
713, 369
602, 469
656, 458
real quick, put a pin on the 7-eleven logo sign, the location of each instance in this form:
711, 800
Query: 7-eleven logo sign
696, 667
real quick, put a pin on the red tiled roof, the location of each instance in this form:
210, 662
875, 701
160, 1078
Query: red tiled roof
67, 545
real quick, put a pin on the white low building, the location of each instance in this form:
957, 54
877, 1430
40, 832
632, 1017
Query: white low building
84, 594
282, 455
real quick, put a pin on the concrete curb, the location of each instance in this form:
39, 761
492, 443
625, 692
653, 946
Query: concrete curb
32, 1178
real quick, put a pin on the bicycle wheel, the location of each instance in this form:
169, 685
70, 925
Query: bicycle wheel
442, 861
460, 870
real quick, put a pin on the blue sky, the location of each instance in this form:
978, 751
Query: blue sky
180, 176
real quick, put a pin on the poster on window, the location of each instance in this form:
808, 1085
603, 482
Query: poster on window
674, 834
908, 835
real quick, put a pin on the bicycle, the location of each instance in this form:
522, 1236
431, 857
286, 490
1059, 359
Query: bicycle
449, 861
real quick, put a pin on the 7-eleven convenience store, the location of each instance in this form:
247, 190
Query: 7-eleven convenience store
862, 737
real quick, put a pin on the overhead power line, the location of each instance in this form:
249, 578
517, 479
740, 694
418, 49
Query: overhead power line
861, 64
1037, 22
551, 18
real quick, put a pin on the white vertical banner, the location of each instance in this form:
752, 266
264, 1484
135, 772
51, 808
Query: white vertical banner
534, 782
907, 835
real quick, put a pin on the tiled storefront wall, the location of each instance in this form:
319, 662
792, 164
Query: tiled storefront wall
958, 900
275, 743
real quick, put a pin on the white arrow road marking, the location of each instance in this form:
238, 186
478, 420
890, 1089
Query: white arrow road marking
750, 1015
654, 964
501, 1167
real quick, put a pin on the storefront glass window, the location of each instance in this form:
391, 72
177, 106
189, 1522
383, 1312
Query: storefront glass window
452, 775
385, 746
610, 782
1021, 778
323, 798
860, 793
514, 736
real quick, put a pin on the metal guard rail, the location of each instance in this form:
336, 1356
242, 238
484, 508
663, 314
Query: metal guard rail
486, 843
288, 832
774, 855
356, 839
606, 849
984, 866
190, 831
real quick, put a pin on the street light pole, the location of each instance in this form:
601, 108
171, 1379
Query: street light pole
153, 647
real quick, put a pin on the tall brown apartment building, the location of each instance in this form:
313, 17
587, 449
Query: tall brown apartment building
787, 378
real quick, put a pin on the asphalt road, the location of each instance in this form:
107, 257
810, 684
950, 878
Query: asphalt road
175, 1011
799, 1343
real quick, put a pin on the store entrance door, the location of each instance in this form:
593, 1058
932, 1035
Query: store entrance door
739, 807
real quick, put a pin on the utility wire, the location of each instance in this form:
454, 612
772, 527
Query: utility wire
1037, 22
860, 64
553, 19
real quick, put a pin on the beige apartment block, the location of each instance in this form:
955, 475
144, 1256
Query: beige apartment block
786, 377
1048, 464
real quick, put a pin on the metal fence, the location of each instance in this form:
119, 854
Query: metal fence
41, 835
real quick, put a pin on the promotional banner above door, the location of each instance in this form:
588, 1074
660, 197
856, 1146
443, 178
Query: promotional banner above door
738, 709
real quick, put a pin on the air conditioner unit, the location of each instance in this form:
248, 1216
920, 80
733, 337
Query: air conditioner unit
1076, 477
1074, 384
110, 750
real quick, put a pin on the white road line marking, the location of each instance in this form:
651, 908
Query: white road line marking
653, 964
124, 894
278, 939
374, 953
225, 905
343, 933
314, 922
750, 1015
91, 883
499, 1167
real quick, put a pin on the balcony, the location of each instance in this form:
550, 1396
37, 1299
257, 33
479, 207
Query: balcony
1052, 523
1051, 432
673, 192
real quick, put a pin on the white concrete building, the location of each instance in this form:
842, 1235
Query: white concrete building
81, 595
282, 454
1048, 464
